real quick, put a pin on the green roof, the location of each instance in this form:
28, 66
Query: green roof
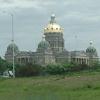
43, 44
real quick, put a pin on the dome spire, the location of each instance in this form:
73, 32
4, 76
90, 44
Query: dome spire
52, 19
43, 38
91, 43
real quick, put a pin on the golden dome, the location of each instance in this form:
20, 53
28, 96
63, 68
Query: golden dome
53, 27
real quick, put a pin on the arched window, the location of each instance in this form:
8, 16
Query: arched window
56, 28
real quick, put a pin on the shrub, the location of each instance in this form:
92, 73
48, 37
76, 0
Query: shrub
28, 70
55, 69
65, 68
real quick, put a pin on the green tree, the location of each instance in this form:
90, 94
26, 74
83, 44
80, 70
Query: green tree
4, 65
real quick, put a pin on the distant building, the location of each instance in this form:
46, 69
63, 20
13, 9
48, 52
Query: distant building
51, 50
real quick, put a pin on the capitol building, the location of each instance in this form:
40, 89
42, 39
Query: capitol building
51, 49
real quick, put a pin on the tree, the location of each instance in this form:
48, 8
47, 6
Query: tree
4, 65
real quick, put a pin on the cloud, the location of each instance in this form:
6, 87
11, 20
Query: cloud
38, 4
77, 17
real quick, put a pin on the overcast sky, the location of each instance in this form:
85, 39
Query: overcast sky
79, 18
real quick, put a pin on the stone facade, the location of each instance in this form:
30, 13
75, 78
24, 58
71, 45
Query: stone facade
51, 50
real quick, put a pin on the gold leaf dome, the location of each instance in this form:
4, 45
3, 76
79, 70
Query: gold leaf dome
53, 27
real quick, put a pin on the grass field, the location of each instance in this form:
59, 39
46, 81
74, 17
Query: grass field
78, 87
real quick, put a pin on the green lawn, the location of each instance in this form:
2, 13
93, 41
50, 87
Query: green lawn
83, 87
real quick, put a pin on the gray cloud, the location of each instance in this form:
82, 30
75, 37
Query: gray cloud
78, 17
6, 1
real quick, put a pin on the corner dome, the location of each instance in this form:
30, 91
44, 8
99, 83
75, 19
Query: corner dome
10, 48
91, 49
53, 27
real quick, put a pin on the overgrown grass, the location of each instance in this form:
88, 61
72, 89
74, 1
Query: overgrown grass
79, 86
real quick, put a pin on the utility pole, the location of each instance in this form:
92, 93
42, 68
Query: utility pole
13, 51
13, 58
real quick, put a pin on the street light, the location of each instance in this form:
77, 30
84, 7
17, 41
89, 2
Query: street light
13, 45
12, 31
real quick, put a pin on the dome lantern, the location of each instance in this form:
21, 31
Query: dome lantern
52, 19
43, 38
91, 42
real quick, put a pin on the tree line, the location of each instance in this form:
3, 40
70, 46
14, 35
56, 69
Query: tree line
29, 69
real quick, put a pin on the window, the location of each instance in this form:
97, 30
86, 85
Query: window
52, 28
56, 28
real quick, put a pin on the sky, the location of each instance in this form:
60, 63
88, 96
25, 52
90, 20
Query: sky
79, 18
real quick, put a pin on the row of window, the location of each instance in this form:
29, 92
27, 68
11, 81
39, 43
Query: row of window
54, 28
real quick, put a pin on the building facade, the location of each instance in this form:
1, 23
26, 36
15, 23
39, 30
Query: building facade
51, 49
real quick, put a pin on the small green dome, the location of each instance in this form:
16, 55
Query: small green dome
91, 49
10, 48
43, 45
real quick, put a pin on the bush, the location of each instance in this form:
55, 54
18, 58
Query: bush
54, 69
28, 70
65, 68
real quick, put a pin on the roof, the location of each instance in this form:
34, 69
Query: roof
78, 54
